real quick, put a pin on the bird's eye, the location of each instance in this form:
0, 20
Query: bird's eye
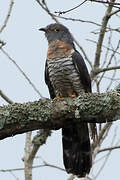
56, 30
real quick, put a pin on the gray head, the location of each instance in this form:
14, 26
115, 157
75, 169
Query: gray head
57, 32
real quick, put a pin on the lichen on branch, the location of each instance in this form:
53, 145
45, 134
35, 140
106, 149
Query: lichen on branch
54, 114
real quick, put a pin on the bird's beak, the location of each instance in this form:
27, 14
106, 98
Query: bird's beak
43, 29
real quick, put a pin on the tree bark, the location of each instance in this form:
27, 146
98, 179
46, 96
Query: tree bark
54, 114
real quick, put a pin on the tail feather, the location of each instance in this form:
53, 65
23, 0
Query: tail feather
76, 149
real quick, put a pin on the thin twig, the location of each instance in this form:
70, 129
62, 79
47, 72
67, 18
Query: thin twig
109, 149
106, 159
78, 20
63, 12
113, 75
45, 164
45, 7
103, 164
22, 72
86, 21
107, 49
101, 136
52, 166
84, 53
2, 43
14, 175
113, 79
107, 69
114, 12
90, 40
106, 2
8, 100
8, 16
99, 159
110, 60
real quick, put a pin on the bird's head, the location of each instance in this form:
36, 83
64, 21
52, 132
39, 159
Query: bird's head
57, 32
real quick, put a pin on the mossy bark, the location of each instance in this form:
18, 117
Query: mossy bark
54, 114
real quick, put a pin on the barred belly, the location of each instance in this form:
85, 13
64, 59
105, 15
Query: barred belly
64, 77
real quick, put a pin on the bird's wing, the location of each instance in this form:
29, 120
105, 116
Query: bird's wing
81, 68
86, 82
47, 80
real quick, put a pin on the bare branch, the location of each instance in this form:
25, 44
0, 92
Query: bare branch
78, 20
107, 69
114, 12
87, 21
30, 151
37, 166
45, 7
106, 158
103, 164
83, 51
94, 72
109, 149
103, 2
22, 72
27, 165
101, 35
14, 175
2, 43
101, 136
5, 97
52, 166
8, 16
64, 12
112, 3
103, 46
38, 141
111, 81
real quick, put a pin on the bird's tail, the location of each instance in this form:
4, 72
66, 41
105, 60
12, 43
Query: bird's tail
76, 149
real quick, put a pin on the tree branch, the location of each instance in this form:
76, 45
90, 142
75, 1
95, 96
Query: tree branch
8, 100
8, 16
21, 71
102, 34
109, 149
38, 141
112, 3
64, 12
27, 165
52, 114
107, 69
44, 6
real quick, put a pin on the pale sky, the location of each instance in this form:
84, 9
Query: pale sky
27, 46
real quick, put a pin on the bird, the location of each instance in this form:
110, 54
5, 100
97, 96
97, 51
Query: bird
66, 75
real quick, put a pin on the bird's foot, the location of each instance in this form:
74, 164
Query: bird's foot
73, 95
57, 97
